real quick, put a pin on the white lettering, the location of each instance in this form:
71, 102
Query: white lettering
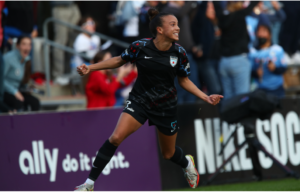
217, 134
26, 155
74, 164
245, 162
86, 161
36, 157
265, 161
229, 149
277, 124
204, 146
121, 158
52, 162
66, 164
116, 162
81, 160
42, 157
293, 127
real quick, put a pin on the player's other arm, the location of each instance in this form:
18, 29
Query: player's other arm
189, 86
112, 63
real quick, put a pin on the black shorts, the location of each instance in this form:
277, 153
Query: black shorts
165, 124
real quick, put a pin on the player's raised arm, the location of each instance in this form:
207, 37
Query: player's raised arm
112, 63
189, 86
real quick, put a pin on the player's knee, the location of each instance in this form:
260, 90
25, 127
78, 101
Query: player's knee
167, 154
115, 139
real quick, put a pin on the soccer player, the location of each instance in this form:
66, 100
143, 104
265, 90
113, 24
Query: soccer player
159, 60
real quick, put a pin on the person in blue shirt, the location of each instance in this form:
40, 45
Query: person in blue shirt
268, 63
14, 70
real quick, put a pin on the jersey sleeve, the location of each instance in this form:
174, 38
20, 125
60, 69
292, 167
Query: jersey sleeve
184, 66
131, 53
279, 61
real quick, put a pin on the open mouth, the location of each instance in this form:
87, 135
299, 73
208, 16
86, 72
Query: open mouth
25, 52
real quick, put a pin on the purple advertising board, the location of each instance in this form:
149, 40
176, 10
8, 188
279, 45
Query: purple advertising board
54, 151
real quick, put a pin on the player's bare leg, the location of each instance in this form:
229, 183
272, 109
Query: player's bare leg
125, 127
175, 154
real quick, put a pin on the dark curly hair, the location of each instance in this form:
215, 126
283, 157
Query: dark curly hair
155, 20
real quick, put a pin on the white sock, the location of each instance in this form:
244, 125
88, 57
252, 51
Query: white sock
90, 182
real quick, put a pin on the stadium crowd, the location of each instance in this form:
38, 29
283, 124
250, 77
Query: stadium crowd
233, 47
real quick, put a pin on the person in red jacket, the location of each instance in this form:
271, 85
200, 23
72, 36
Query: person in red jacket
102, 85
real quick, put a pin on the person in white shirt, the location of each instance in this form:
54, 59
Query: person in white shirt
131, 27
85, 43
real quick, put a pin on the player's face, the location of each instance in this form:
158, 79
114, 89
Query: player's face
25, 47
170, 27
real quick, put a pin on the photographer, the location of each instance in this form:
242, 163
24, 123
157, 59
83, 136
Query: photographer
268, 63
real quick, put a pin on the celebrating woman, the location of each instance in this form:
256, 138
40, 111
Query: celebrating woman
154, 97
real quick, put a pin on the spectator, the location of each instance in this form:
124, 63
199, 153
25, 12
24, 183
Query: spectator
272, 16
122, 93
144, 19
203, 31
85, 43
235, 68
289, 36
181, 10
3, 106
102, 85
14, 70
131, 28
66, 11
126, 18
19, 21
268, 63
276, 16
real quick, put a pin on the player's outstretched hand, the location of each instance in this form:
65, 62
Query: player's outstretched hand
83, 69
214, 99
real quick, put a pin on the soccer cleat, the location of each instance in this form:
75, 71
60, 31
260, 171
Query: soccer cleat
191, 174
84, 187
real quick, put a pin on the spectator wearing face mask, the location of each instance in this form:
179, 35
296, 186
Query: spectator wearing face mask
268, 63
271, 15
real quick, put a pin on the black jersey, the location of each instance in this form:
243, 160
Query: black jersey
154, 88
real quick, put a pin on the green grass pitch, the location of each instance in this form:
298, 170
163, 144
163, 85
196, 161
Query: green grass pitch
290, 184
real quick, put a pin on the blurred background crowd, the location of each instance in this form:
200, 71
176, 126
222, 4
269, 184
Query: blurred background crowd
233, 47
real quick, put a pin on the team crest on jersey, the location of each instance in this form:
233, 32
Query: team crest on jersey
173, 60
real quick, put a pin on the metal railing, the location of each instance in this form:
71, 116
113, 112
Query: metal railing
48, 43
